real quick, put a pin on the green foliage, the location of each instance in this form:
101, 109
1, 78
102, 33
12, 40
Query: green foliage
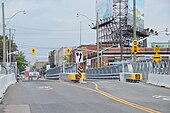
66, 59
1, 37
21, 62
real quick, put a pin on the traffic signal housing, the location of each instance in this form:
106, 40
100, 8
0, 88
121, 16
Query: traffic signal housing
135, 49
33, 51
67, 51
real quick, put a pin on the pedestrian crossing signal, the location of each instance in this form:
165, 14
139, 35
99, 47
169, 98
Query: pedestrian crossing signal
33, 51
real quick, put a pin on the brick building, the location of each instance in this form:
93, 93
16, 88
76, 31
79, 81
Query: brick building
108, 56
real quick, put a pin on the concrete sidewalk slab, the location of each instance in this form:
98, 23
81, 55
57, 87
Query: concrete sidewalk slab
17, 109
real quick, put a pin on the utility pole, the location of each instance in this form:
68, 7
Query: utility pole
120, 30
3, 30
134, 30
97, 39
10, 45
80, 33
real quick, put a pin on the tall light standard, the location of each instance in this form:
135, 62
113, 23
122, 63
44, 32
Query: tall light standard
153, 34
3, 30
3, 26
80, 33
21, 11
97, 34
9, 19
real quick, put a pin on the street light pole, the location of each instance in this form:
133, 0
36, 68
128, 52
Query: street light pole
9, 46
120, 31
80, 33
3, 30
97, 34
97, 39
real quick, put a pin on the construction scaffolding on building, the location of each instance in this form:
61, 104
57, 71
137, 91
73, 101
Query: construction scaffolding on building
115, 28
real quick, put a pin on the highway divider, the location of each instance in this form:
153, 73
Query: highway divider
5, 82
159, 80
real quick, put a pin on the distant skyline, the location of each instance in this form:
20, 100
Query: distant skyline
52, 24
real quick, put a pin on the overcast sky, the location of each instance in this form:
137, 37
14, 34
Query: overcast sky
51, 24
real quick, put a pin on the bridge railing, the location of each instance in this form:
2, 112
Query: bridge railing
143, 66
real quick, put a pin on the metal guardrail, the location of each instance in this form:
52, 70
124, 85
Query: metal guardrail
109, 72
103, 76
113, 71
53, 76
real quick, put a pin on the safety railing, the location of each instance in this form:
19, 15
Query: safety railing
110, 72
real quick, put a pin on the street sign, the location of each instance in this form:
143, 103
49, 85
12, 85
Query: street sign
79, 71
135, 49
135, 42
67, 51
88, 62
157, 49
157, 57
79, 56
33, 51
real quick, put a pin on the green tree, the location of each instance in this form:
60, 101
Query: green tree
1, 37
21, 62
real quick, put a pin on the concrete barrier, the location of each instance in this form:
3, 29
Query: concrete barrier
5, 82
160, 80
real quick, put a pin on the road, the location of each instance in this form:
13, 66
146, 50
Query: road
106, 96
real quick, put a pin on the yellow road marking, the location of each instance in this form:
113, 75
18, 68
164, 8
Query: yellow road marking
125, 102
149, 110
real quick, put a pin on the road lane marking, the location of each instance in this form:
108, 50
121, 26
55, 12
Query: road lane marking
124, 101
44, 87
81, 87
97, 90
167, 98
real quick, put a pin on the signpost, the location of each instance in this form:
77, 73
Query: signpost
79, 56
80, 71
156, 56
157, 49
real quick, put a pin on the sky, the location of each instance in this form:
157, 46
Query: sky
52, 24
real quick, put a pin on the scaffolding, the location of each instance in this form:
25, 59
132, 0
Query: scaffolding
114, 30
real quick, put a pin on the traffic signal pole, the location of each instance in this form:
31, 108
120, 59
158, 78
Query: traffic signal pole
134, 31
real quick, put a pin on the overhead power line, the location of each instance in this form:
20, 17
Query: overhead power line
40, 29
38, 47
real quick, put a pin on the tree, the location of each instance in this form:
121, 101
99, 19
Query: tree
21, 62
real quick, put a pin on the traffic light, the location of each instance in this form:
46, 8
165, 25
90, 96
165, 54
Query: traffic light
67, 51
135, 49
33, 51
135, 43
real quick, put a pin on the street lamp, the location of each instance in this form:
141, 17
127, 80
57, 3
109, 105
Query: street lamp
3, 30
14, 52
153, 34
97, 34
3, 25
9, 19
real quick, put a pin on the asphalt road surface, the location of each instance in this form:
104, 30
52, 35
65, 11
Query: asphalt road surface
93, 97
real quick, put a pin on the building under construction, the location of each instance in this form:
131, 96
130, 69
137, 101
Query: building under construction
116, 23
